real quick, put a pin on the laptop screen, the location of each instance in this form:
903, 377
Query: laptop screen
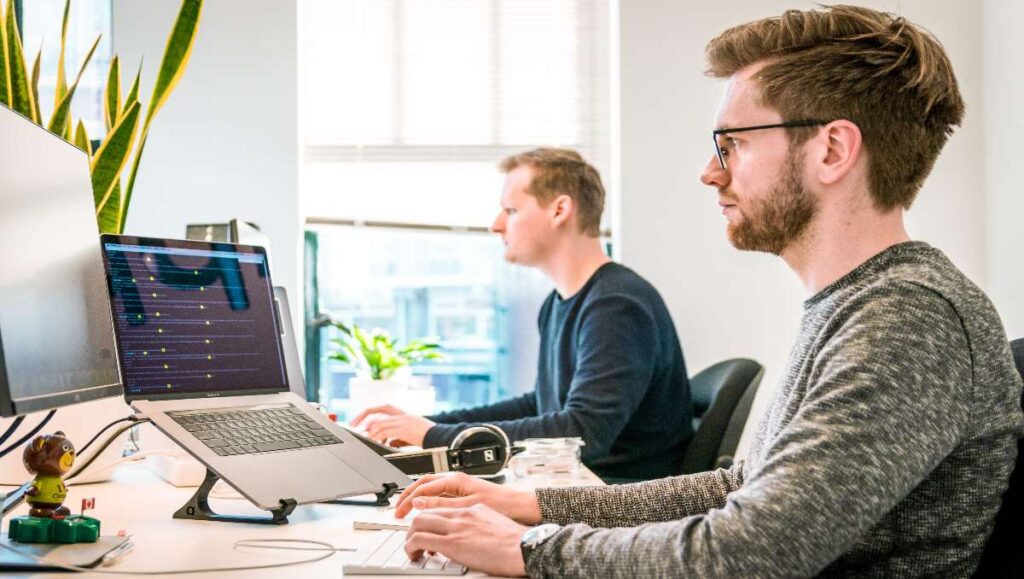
193, 319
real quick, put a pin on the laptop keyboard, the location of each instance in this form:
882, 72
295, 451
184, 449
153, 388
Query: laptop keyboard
232, 431
390, 559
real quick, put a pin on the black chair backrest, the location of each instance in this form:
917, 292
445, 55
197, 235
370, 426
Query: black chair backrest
722, 396
1004, 552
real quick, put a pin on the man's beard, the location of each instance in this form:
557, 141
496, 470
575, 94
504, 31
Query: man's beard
772, 224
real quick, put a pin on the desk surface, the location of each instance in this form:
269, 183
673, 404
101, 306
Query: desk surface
141, 503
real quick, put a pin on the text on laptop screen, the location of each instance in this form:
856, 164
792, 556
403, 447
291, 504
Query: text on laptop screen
194, 321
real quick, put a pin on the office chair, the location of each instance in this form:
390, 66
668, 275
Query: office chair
722, 395
1004, 555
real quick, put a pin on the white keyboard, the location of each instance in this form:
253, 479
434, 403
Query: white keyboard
390, 559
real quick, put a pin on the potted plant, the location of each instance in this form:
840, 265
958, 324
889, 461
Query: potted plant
383, 369
127, 126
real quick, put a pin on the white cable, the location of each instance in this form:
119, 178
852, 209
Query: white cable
243, 543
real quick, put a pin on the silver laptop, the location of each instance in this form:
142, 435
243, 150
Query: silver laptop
198, 341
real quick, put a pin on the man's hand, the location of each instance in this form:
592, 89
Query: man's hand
478, 537
460, 490
389, 424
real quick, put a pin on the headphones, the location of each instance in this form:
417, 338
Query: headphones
483, 449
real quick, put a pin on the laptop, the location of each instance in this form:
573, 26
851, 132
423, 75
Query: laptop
198, 343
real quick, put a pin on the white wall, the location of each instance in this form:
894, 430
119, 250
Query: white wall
226, 143
1003, 102
726, 303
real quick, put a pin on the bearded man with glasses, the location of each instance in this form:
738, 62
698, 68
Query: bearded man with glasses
889, 443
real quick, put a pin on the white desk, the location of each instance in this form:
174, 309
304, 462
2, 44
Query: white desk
142, 503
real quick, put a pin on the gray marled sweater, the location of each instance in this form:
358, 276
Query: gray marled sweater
884, 452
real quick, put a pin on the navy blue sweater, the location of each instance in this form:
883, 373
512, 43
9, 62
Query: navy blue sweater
611, 372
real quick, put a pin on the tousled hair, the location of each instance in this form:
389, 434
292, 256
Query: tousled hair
888, 76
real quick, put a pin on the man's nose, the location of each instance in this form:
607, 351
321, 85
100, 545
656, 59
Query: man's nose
714, 175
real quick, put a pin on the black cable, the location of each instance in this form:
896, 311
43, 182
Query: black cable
105, 444
102, 430
10, 429
32, 433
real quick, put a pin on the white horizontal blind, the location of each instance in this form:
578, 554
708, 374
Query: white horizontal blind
409, 104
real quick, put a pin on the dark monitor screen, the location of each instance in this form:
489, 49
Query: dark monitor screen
192, 318
56, 340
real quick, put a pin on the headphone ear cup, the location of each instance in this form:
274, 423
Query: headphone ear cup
485, 449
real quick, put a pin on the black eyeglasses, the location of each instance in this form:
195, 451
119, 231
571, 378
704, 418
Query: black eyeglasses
721, 152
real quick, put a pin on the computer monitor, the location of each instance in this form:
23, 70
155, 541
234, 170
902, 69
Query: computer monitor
56, 334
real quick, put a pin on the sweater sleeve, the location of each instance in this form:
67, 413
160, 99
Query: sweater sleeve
449, 424
638, 503
888, 401
614, 366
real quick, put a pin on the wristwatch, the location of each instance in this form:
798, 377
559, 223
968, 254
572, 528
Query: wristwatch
534, 537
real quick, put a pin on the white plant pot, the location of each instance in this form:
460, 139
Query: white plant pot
364, 393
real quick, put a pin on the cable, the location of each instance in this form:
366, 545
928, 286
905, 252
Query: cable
92, 458
250, 543
10, 429
31, 433
102, 430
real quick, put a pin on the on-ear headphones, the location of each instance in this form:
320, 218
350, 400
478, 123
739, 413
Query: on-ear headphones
482, 449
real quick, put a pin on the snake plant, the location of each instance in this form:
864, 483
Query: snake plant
19, 89
377, 354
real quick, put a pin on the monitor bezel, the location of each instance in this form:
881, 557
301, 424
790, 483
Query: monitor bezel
197, 245
11, 406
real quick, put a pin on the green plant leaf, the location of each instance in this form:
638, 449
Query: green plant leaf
5, 79
21, 95
62, 82
82, 138
133, 93
62, 114
112, 94
34, 87
108, 163
176, 56
108, 219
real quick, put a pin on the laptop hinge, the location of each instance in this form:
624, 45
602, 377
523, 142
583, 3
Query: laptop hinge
198, 507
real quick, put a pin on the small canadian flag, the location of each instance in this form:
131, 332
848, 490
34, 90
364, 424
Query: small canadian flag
88, 504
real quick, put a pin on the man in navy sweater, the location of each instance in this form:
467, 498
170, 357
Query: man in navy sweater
611, 368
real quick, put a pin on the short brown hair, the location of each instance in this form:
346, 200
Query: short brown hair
886, 75
564, 172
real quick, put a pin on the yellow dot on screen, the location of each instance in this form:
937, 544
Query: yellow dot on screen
202, 289
207, 322
145, 353
163, 349
195, 272
209, 376
202, 307
168, 385
160, 330
207, 340
154, 294
140, 316
158, 314
209, 357
134, 280
166, 366
151, 278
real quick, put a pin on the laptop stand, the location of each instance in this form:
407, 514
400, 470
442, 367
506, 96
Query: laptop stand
198, 507
381, 500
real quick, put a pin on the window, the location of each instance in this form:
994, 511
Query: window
40, 29
407, 106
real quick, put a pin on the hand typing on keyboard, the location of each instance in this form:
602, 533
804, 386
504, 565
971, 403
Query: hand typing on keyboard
478, 537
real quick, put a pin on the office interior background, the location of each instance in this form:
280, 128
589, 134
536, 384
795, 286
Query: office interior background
362, 136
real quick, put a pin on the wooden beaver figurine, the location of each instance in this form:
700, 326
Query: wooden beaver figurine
49, 457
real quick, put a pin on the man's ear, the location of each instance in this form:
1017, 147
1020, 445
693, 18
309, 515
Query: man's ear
560, 209
839, 151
